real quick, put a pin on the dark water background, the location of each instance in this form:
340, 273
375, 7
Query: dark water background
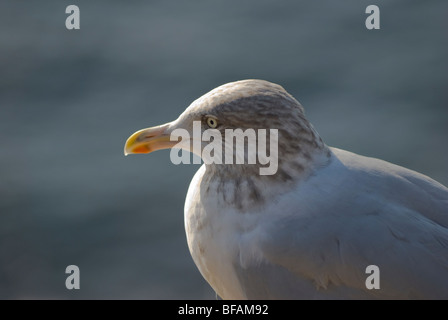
69, 100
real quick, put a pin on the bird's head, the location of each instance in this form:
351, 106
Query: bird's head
246, 104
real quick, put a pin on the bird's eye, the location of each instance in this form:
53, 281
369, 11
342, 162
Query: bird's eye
212, 122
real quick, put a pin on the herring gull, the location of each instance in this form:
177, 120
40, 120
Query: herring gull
310, 230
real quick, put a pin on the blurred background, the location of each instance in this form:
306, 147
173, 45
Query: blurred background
70, 98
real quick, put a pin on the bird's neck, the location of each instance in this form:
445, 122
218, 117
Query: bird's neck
242, 186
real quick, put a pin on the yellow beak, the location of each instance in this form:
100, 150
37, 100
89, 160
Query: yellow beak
149, 140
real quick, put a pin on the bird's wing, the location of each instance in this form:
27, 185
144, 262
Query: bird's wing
341, 222
395, 184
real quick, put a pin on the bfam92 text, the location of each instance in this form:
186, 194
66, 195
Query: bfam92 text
244, 309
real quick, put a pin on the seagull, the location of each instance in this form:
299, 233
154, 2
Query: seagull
312, 229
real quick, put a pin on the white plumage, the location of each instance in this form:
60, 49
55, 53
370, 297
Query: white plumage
317, 240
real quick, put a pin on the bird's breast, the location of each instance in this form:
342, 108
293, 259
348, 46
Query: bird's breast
215, 235
213, 244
